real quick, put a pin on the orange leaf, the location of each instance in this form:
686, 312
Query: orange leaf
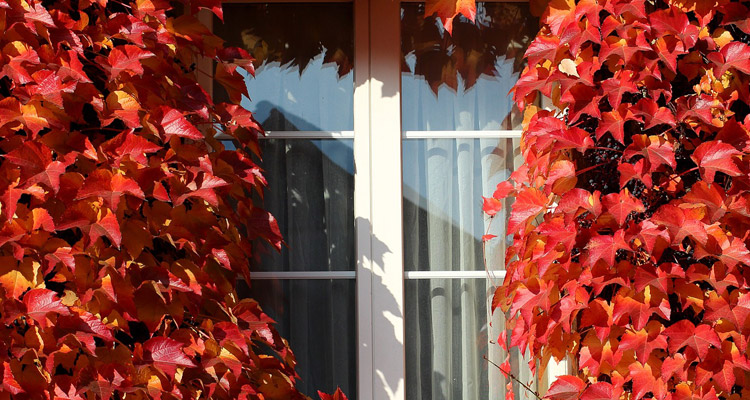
447, 10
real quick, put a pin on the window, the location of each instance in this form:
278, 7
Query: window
383, 134
302, 94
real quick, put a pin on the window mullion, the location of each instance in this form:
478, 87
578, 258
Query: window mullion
362, 193
386, 242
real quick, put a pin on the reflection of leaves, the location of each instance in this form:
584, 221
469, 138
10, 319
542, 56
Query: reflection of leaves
291, 35
500, 30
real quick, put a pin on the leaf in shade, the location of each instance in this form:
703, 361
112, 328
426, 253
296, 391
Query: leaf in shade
213, 5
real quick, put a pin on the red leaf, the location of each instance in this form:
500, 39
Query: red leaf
734, 252
599, 391
644, 381
717, 307
716, 156
652, 115
679, 224
166, 354
725, 378
623, 82
132, 145
710, 195
582, 99
527, 205
685, 334
573, 138
542, 48
10, 383
621, 204
565, 387
672, 21
655, 149
174, 123
735, 55
106, 226
643, 342
127, 58
37, 166
491, 206
503, 189
604, 247
337, 395
40, 302
111, 187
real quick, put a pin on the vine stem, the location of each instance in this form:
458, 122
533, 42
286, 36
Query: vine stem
591, 167
513, 378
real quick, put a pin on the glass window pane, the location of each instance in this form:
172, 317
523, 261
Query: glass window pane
444, 181
311, 194
303, 59
317, 317
461, 81
449, 340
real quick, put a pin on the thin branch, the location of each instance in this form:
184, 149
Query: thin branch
513, 377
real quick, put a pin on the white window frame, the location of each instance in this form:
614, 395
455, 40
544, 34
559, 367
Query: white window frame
378, 201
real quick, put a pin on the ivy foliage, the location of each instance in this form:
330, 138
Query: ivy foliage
123, 223
631, 214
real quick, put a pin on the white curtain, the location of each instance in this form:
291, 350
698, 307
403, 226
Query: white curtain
447, 319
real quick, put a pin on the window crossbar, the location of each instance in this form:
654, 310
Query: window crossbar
289, 275
299, 135
494, 134
454, 274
